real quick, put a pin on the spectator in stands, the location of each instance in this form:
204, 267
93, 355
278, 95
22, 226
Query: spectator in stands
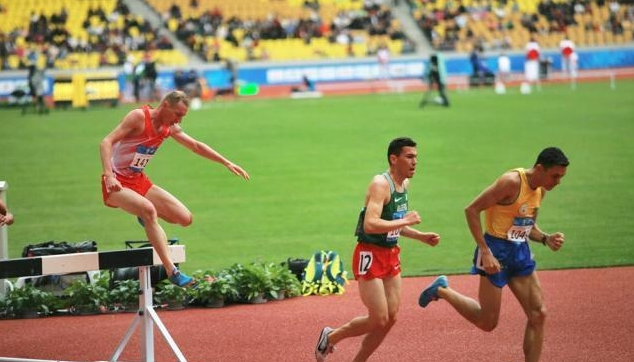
312, 4
5, 50
436, 75
175, 11
163, 43
6, 217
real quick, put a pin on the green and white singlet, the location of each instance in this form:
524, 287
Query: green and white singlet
395, 209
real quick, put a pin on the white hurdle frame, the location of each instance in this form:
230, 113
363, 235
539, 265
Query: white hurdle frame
4, 238
146, 317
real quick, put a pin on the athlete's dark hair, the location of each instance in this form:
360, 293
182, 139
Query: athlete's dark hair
552, 156
397, 144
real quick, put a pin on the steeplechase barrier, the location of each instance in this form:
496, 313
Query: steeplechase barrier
143, 258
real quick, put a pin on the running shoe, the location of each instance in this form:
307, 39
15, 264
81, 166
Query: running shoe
323, 347
431, 292
180, 279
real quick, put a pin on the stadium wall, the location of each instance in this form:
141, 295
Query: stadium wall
331, 73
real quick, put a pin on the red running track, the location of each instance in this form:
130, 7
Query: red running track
591, 319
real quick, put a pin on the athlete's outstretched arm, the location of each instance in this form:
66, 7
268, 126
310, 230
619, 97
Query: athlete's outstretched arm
205, 151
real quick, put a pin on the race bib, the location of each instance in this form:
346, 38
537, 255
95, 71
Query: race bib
141, 158
365, 262
393, 235
520, 229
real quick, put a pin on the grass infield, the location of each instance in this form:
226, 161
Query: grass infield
311, 162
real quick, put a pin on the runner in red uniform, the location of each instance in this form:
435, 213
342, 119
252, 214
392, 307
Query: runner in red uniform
376, 263
125, 153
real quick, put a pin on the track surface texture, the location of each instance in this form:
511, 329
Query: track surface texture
590, 318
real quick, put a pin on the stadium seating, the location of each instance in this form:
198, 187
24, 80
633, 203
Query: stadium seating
242, 42
509, 25
70, 34
92, 32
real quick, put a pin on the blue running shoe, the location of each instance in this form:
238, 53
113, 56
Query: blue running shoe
180, 279
431, 292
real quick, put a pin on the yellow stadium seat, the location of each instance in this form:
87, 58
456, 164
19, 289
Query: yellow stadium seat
13, 61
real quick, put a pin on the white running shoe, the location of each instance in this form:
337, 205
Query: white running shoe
323, 347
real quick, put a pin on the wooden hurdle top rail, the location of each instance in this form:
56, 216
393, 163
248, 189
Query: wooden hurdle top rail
80, 262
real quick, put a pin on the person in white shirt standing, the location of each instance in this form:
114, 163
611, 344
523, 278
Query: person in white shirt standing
383, 57
504, 67
504, 73
568, 57
531, 65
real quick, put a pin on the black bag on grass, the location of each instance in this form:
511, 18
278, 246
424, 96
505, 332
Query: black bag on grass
56, 284
297, 266
56, 248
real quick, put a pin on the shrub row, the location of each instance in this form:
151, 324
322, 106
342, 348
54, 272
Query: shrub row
251, 283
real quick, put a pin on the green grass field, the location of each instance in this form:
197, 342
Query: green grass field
311, 162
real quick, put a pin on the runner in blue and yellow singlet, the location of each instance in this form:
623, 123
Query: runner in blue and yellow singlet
507, 230
502, 256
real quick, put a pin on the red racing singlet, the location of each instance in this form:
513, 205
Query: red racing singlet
132, 154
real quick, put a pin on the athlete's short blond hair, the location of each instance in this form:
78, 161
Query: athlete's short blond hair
174, 97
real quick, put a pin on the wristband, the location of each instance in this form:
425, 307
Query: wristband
544, 238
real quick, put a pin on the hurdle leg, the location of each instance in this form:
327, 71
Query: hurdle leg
147, 317
125, 339
145, 286
166, 336
4, 242
145, 306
